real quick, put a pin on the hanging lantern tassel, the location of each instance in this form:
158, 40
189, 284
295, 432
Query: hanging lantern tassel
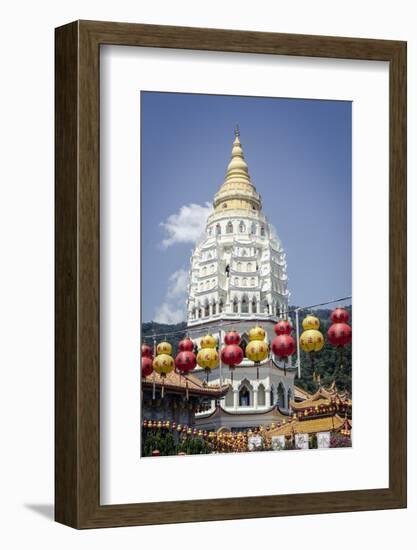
153, 386
163, 385
341, 357
186, 388
257, 369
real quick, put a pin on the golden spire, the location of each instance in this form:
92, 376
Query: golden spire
237, 190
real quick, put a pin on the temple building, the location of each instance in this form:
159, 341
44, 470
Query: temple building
238, 279
183, 397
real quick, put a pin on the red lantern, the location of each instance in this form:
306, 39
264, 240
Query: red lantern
147, 367
232, 338
283, 346
339, 315
339, 334
186, 345
282, 327
185, 362
146, 350
232, 353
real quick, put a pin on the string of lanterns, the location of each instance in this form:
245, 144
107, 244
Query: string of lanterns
257, 350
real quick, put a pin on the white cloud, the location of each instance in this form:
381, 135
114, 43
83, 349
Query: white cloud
173, 309
169, 315
178, 282
186, 226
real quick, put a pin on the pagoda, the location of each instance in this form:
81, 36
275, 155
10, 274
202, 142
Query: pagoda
238, 279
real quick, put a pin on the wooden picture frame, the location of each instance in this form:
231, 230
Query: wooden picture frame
77, 404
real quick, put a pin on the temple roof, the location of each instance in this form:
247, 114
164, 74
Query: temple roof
220, 411
301, 394
315, 425
177, 383
323, 396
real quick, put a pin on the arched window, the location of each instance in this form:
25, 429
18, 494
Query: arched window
254, 307
204, 271
207, 284
281, 397
261, 395
244, 253
239, 266
229, 227
221, 306
245, 305
236, 281
252, 281
206, 310
249, 267
244, 397
229, 399
244, 281
218, 229
212, 268
262, 231
235, 306
213, 282
272, 396
253, 229
214, 308
242, 227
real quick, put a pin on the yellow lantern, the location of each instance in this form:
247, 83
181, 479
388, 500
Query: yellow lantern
164, 348
256, 333
311, 340
208, 341
257, 350
207, 357
163, 363
311, 322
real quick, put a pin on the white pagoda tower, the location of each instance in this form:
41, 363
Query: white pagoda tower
238, 279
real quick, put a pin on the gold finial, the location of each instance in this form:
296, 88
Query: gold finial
237, 132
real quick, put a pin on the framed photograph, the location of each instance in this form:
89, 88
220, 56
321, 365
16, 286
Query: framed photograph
230, 274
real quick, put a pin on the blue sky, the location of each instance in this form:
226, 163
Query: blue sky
299, 157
